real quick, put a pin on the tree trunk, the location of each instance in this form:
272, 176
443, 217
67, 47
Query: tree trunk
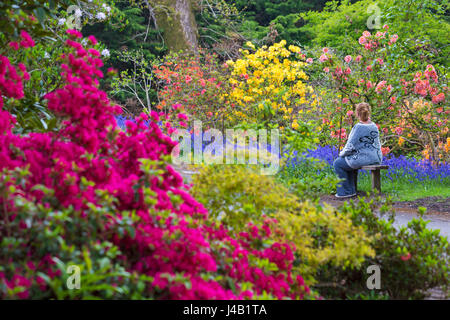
435, 159
176, 18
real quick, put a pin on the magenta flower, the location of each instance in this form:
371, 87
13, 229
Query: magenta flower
75, 33
27, 41
14, 45
172, 242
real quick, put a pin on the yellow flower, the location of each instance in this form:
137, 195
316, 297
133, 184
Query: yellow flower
268, 72
294, 49
249, 44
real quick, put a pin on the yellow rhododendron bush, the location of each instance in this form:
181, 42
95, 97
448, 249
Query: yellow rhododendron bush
268, 85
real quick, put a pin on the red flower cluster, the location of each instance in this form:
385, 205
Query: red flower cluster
193, 85
423, 85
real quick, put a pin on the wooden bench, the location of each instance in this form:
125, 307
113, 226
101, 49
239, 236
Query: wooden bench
376, 177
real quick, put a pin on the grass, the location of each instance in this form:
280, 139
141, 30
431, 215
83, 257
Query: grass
402, 189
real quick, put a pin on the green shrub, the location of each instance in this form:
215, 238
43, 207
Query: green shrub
65, 237
340, 23
309, 178
412, 258
237, 196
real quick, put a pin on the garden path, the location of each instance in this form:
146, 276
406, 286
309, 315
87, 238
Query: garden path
406, 211
438, 212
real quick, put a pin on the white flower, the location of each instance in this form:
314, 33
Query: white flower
61, 21
78, 13
106, 7
46, 55
100, 16
84, 42
105, 53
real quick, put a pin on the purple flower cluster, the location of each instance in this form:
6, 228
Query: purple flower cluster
121, 120
400, 166
418, 169
325, 153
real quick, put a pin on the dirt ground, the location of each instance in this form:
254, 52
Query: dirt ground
434, 205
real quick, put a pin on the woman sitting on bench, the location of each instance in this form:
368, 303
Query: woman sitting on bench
362, 148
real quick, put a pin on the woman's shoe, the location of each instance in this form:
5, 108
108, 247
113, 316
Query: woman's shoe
342, 197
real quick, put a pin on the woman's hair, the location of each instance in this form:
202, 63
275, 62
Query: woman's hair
363, 111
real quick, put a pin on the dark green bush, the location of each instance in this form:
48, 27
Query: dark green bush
412, 258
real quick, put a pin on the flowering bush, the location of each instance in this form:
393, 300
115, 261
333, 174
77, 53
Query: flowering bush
192, 85
268, 86
339, 25
104, 199
407, 104
42, 57
412, 258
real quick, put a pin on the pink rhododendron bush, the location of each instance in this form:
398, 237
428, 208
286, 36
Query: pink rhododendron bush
94, 197
409, 99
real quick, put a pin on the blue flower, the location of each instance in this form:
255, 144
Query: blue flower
416, 169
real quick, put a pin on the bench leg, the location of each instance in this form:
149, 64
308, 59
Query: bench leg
356, 180
376, 180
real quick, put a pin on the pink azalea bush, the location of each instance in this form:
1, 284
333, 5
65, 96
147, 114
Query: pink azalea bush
106, 200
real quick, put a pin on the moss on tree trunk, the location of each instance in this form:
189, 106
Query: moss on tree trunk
177, 20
